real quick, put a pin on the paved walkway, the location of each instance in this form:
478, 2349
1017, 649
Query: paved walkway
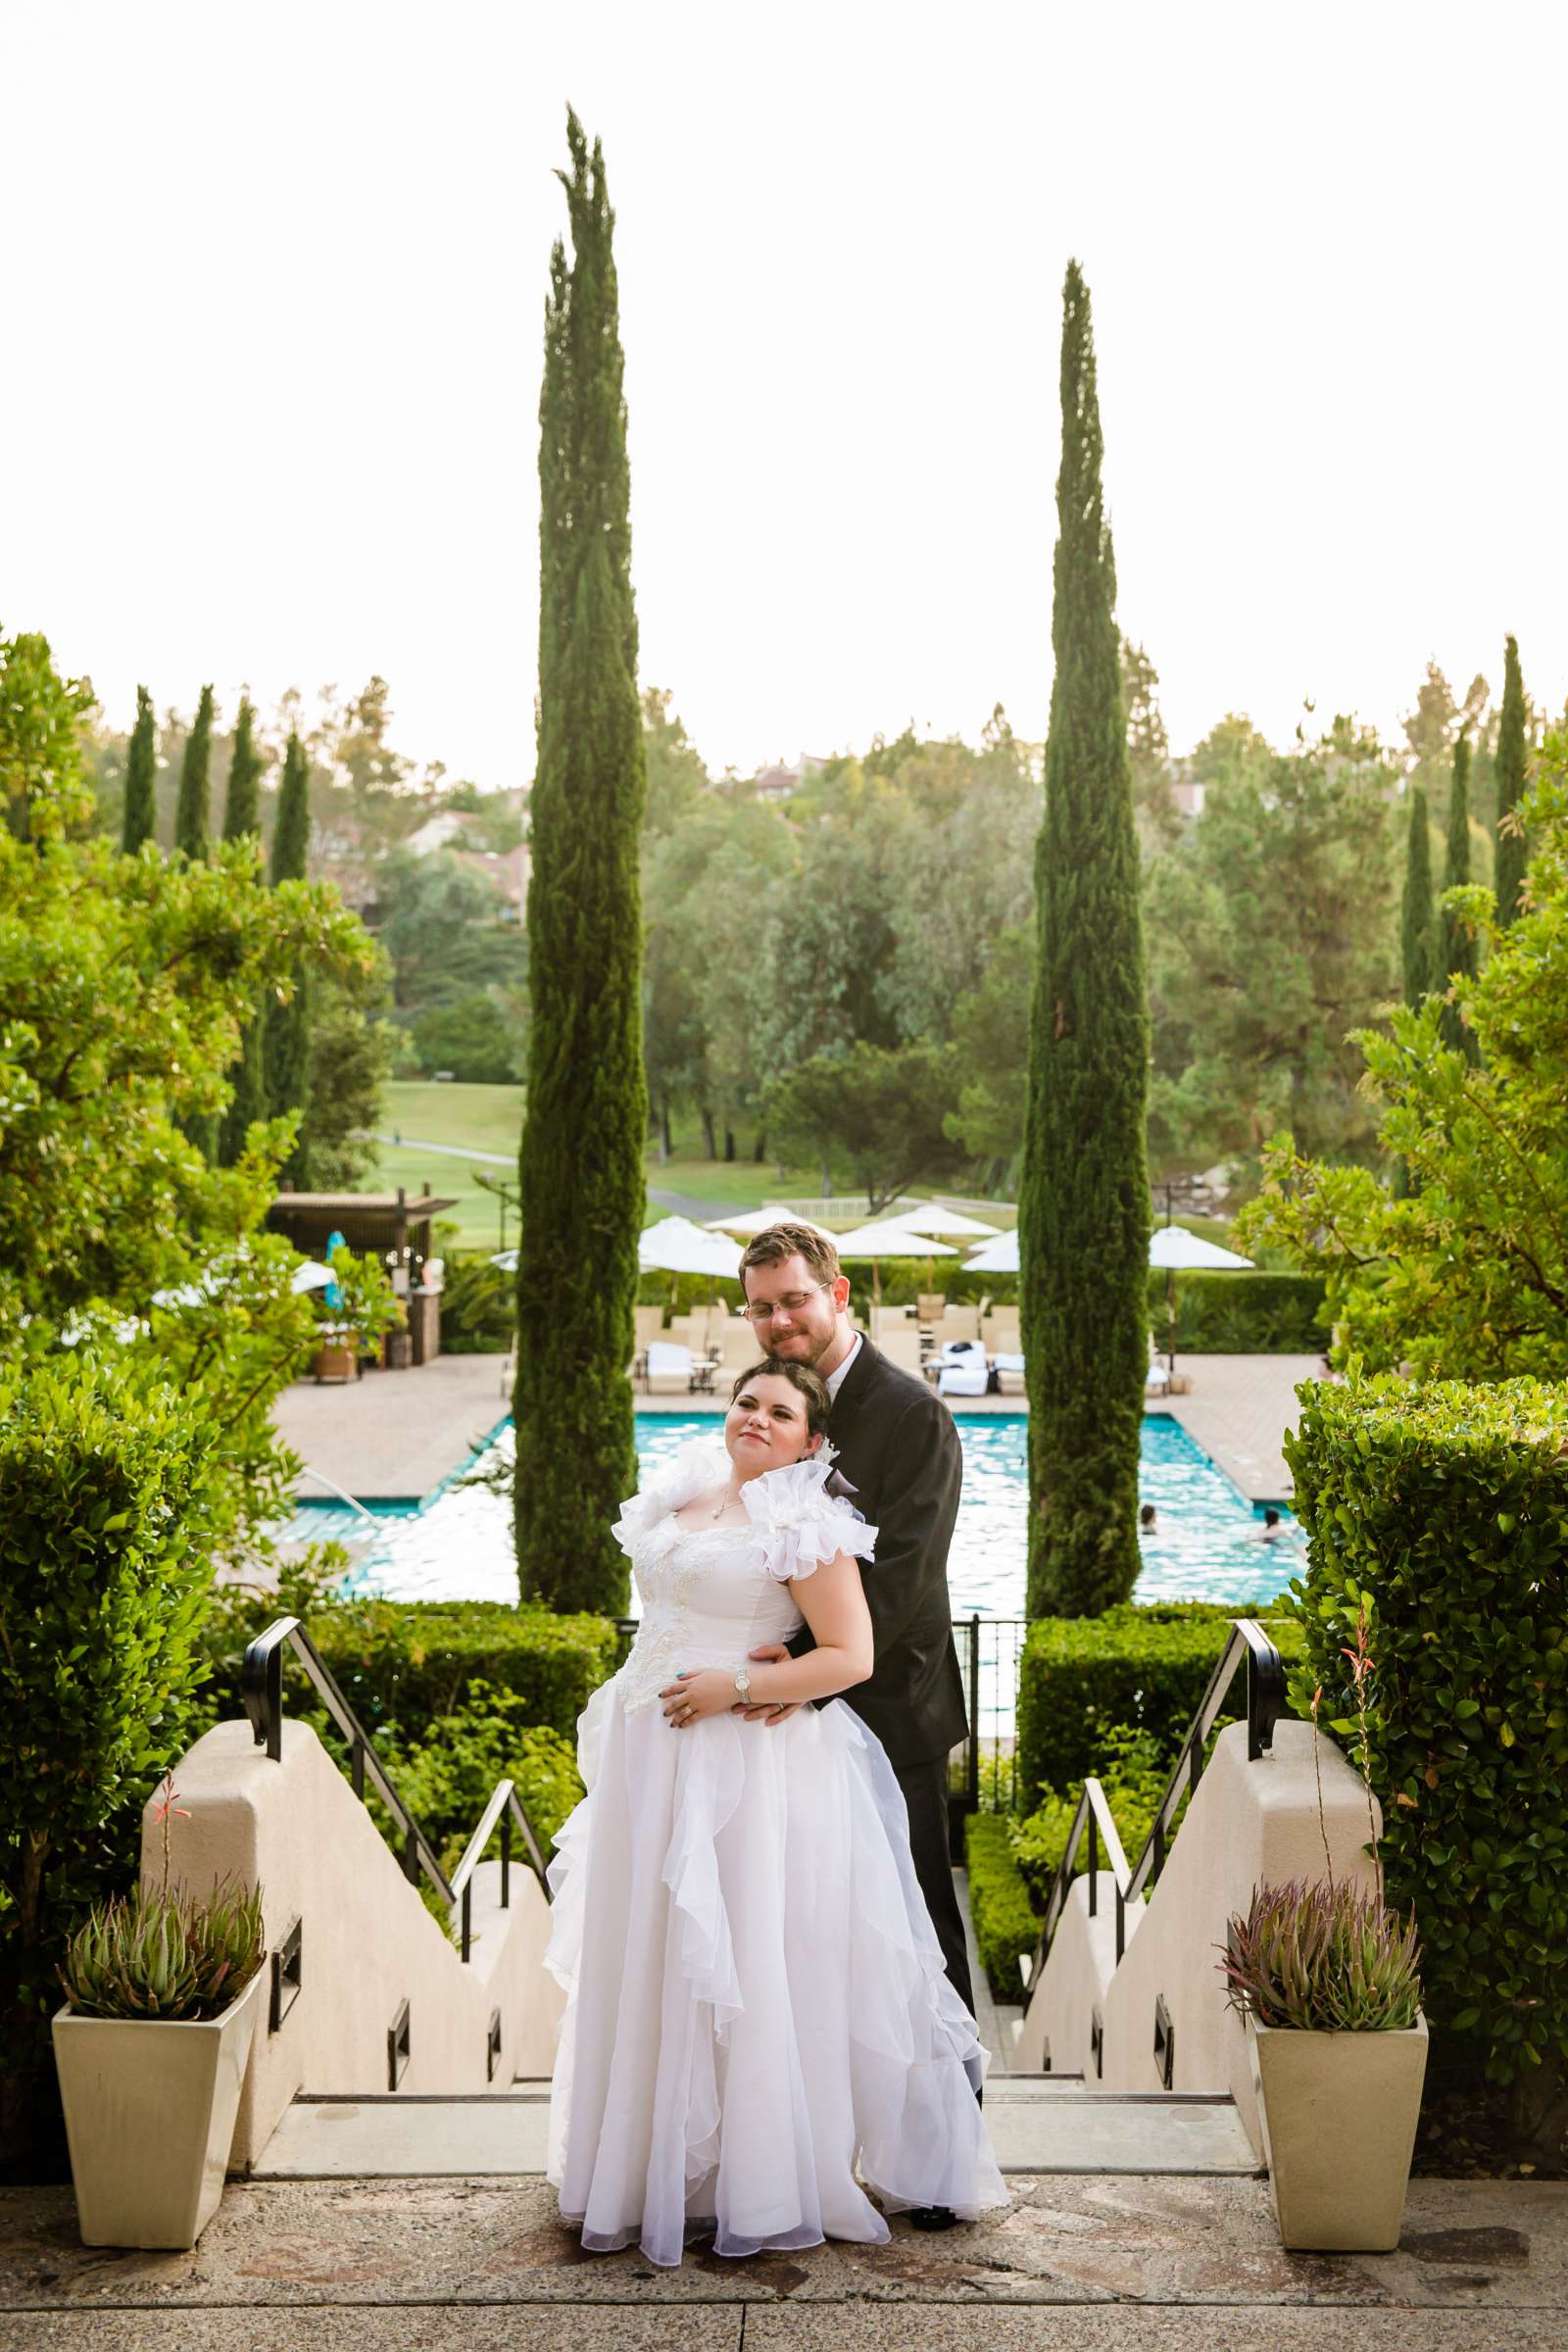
1105, 2263
391, 1437
1238, 1409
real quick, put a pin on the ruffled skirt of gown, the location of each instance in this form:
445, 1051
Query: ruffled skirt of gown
756, 2011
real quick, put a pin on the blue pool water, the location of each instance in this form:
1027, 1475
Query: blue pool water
457, 1543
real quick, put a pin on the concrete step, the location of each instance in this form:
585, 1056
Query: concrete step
1038, 2124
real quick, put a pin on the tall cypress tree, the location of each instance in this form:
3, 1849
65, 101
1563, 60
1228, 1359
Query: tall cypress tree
286, 1047
242, 815
1458, 947
1510, 872
1083, 1210
193, 813
1418, 932
580, 1164
142, 777
242, 805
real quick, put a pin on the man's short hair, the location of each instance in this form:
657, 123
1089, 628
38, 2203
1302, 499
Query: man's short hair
779, 1242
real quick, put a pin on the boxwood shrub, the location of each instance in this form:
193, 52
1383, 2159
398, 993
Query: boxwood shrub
1145, 1668
1006, 1921
1445, 1509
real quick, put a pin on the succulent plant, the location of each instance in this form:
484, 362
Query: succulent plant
164, 1953
1323, 1957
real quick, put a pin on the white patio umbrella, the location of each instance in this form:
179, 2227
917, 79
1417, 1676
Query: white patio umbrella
675, 1246
889, 1237
948, 1223
1000, 1257
506, 1259
748, 1222
1173, 1247
310, 1275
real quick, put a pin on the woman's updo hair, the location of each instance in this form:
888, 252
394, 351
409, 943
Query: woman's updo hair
804, 1382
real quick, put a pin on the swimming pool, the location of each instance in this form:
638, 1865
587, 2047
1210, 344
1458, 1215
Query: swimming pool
457, 1545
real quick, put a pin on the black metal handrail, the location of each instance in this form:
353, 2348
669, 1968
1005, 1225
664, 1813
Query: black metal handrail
261, 1692
1266, 1694
506, 1807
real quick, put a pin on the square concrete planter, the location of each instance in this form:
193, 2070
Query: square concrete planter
150, 2107
1338, 2113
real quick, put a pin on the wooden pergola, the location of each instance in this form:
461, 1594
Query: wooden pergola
396, 1226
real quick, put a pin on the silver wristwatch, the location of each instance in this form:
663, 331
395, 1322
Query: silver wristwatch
743, 1683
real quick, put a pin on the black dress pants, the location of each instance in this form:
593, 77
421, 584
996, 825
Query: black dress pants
925, 1793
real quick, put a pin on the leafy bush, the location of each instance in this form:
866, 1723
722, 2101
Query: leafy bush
1006, 1921
1133, 1768
1243, 1314
1443, 1510
106, 1487
472, 1039
445, 1775
1145, 1668
478, 1307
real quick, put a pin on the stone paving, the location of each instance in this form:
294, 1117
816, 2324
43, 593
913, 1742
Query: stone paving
1083, 2262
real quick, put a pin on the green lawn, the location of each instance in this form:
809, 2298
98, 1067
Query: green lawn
489, 1119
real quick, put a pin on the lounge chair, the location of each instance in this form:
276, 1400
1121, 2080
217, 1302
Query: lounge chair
1000, 1330
901, 1347
963, 1370
1157, 1380
671, 1370
928, 1306
958, 1323
650, 1324
885, 1319
738, 1347
1007, 1365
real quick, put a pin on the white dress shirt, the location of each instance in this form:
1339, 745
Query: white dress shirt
836, 1378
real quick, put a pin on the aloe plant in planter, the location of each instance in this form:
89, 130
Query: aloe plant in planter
1327, 1980
162, 1992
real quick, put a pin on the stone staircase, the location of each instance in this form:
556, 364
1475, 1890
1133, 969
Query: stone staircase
1039, 2123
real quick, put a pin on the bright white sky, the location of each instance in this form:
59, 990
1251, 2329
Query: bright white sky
275, 274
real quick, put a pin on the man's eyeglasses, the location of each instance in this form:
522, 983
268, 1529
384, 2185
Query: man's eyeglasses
790, 1306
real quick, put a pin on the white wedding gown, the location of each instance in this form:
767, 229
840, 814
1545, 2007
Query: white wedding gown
757, 2027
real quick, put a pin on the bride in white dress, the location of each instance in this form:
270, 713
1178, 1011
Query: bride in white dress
757, 2030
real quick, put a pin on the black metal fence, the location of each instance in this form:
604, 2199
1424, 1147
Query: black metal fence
984, 1771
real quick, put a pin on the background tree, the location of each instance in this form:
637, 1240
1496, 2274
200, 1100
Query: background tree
142, 777
1511, 850
1084, 1202
1160, 820
580, 1163
879, 1112
242, 817
1418, 941
991, 1034
1270, 936
286, 1038
1456, 952
1464, 1276
193, 815
242, 802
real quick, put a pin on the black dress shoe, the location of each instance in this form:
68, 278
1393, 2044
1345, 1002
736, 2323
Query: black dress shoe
931, 2216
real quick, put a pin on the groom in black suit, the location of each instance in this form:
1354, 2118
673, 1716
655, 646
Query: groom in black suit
899, 1452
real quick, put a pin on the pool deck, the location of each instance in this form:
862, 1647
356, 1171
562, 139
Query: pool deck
393, 1437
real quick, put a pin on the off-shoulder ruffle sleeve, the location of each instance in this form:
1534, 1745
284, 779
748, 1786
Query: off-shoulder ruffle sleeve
800, 1524
696, 1466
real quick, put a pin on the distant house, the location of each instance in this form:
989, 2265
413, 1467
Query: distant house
778, 783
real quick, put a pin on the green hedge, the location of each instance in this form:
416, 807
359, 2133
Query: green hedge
1145, 1668
407, 1662
107, 1525
1006, 1921
1242, 1314
402, 1664
1446, 1508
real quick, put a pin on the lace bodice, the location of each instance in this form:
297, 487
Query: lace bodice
711, 1595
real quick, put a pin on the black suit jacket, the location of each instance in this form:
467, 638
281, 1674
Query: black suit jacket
898, 1447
